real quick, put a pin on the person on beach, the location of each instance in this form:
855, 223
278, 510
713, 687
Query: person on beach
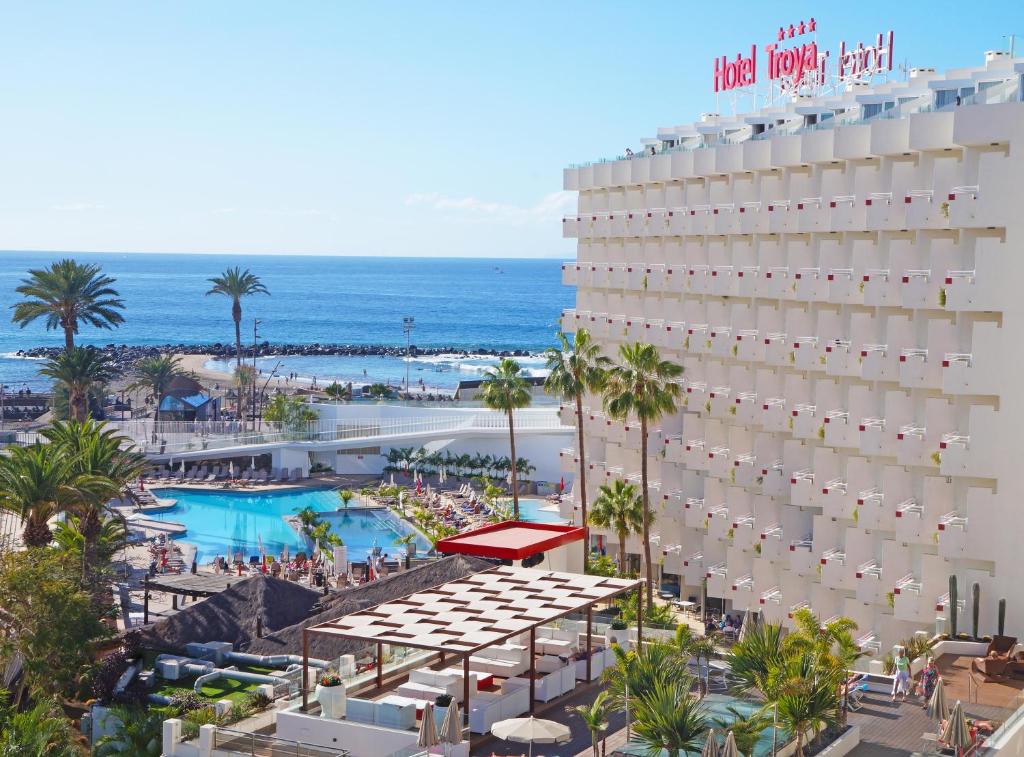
901, 683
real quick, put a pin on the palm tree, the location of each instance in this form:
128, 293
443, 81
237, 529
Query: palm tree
139, 733
41, 731
639, 670
575, 370
155, 375
236, 284
701, 648
66, 294
831, 643
337, 391
746, 729
595, 718
642, 385
619, 509
667, 718
36, 483
753, 658
505, 389
80, 369
806, 698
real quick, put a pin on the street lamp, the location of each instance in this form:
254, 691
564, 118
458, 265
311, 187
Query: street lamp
408, 324
255, 335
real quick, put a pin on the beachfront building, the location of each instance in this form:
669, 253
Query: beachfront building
837, 275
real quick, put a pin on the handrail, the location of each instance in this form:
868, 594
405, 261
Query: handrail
869, 568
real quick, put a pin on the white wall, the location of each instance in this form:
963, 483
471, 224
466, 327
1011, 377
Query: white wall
359, 739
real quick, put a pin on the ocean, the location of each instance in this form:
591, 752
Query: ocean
465, 304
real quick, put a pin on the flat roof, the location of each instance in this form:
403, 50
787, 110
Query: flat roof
200, 584
481, 610
511, 540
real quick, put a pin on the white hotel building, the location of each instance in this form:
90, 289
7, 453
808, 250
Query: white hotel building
842, 279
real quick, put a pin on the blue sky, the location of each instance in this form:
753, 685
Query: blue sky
395, 128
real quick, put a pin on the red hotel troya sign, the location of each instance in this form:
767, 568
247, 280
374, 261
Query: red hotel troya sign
801, 63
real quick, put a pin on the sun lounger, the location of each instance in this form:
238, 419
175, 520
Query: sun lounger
997, 657
261, 477
212, 476
296, 474
246, 475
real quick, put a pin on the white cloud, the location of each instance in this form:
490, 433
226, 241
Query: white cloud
550, 207
77, 207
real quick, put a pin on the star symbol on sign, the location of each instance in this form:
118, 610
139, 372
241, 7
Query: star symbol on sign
811, 25
791, 30
801, 28
782, 34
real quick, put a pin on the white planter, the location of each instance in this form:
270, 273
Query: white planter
332, 701
617, 636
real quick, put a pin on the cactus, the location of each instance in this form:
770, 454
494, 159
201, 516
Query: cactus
975, 608
952, 607
1002, 616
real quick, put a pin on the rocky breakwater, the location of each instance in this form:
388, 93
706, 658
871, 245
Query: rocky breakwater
124, 356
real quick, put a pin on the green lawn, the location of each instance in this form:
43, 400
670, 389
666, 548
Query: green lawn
221, 688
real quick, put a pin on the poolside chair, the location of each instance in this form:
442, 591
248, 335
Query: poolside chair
212, 476
260, 477
296, 474
246, 475
222, 473
274, 472
285, 476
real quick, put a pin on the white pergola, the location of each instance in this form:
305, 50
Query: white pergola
464, 616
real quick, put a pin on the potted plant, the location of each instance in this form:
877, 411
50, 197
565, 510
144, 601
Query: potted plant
618, 631
330, 693
441, 704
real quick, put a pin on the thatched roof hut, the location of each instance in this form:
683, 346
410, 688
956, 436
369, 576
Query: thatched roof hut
284, 608
233, 614
289, 640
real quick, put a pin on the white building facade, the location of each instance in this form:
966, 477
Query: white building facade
839, 278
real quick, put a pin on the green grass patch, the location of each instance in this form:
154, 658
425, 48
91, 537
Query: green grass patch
221, 688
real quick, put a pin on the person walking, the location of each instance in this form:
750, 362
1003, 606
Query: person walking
901, 683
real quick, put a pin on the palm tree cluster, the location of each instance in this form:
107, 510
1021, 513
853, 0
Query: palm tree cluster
640, 386
428, 462
800, 676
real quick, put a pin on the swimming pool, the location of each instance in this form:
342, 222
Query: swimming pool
221, 520
717, 707
539, 511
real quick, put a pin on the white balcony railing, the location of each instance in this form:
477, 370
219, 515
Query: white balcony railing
718, 570
963, 441
871, 569
773, 595
909, 507
952, 520
744, 582
869, 642
834, 554
773, 530
907, 585
873, 494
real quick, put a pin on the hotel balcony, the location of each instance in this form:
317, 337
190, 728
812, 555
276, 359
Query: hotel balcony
698, 279
840, 359
794, 608
748, 346
872, 513
721, 341
878, 363
693, 569
962, 454
694, 515
570, 274
777, 351
694, 455
836, 501
868, 580
883, 214
786, 149
806, 424
657, 222
917, 371
695, 394
890, 136
621, 173
974, 373
753, 218
852, 141
678, 221
674, 448
719, 523
808, 354
843, 289
567, 322
757, 155
727, 219
781, 217
812, 215
908, 602
672, 559
982, 288
922, 212
640, 169
722, 406
568, 460
774, 482
719, 462
912, 446
839, 431
776, 283
746, 408
942, 604
774, 416
846, 214
570, 227
743, 535
811, 285
817, 146
701, 220
969, 209
880, 289
742, 593
717, 577
919, 290
801, 557
654, 278
769, 598
956, 542
723, 281
873, 438
600, 225
869, 643
835, 573
910, 523
772, 547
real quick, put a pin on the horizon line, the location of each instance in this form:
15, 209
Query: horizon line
289, 254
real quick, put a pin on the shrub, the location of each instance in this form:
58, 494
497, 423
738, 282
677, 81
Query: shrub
618, 624
259, 701
443, 700
188, 701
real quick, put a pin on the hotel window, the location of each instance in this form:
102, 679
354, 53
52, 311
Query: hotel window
945, 97
870, 110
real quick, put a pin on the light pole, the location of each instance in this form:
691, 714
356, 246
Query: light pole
408, 324
255, 335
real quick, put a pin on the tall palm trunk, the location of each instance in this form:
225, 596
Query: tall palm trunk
622, 553
69, 337
36, 532
515, 482
76, 404
648, 572
583, 481
90, 524
236, 316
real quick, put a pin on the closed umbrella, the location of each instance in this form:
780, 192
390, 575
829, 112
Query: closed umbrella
729, 748
747, 620
937, 707
428, 729
956, 734
531, 731
710, 745
451, 728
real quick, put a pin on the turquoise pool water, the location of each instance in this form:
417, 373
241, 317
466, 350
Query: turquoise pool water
536, 510
717, 708
219, 522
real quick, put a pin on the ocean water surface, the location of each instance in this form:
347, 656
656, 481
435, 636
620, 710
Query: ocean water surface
459, 303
